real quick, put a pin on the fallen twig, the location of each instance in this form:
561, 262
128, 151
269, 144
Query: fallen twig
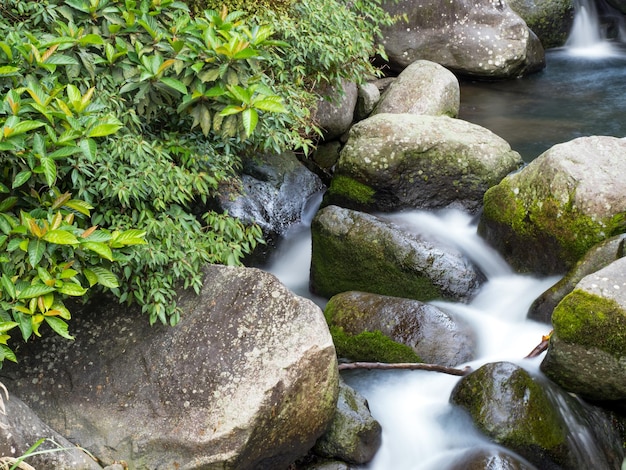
541, 347
405, 366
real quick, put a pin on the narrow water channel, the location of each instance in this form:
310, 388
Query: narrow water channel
579, 93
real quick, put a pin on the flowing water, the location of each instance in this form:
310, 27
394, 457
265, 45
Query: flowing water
579, 93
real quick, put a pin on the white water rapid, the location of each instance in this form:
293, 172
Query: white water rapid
421, 430
587, 37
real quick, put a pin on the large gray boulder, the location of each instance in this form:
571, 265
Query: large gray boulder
354, 436
335, 109
396, 161
273, 193
544, 425
20, 428
423, 87
357, 251
435, 336
587, 352
545, 217
479, 38
247, 380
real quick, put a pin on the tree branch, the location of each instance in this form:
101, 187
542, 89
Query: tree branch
405, 366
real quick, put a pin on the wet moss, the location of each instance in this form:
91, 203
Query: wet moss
345, 187
371, 346
591, 321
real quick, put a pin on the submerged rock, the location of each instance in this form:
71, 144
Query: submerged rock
356, 251
544, 218
399, 161
432, 334
587, 351
247, 380
423, 87
480, 38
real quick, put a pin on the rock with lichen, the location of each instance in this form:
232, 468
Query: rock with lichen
424, 87
544, 218
550, 20
587, 352
352, 250
479, 38
399, 161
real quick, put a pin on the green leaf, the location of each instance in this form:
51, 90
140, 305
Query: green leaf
25, 324
7, 353
65, 152
92, 278
79, 206
21, 178
101, 249
60, 59
7, 70
175, 84
240, 93
8, 203
102, 130
26, 126
7, 325
36, 250
60, 237
228, 110
59, 326
106, 277
49, 170
8, 286
34, 290
129, 237
272, 104
89, 148
250, 118
72, 289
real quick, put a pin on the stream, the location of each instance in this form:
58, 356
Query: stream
578, 94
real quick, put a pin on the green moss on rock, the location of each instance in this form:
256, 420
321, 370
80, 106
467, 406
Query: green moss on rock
589, 320
344, 187
371, 346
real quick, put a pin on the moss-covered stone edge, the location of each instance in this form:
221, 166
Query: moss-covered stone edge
575, 233
345, 187
591, 321
371, 346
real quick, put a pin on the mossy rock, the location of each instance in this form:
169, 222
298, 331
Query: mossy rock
510, 407
544, 218
550, 20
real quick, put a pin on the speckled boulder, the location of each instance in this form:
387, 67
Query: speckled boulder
423, 87
480, 38
356, 251
335, 109
587, 352
545, 217
397, 161
435, 336
247, 380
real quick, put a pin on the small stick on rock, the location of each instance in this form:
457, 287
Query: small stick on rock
405, 366
541, 347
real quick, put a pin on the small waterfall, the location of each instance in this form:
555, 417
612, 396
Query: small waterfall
588, 37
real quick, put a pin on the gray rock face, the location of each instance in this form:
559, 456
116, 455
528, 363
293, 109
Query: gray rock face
354, 436
396, 161
423, 87
544, 218
550, 20
335, 110
275, 189
434, 335
247, 380
596, 258
367, 99
483, 38
490, 459
20, 428
357, 251
528, 417
587, 352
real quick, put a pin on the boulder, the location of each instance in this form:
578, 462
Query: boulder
543, 424
587, 351
353, 436
477, 38
247, 380
598, 257
423, 87
357, 251
550, 20
397, 161
544, 218
274, 191
367, 99
20, 428
433, 335
490, 458
335, 109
